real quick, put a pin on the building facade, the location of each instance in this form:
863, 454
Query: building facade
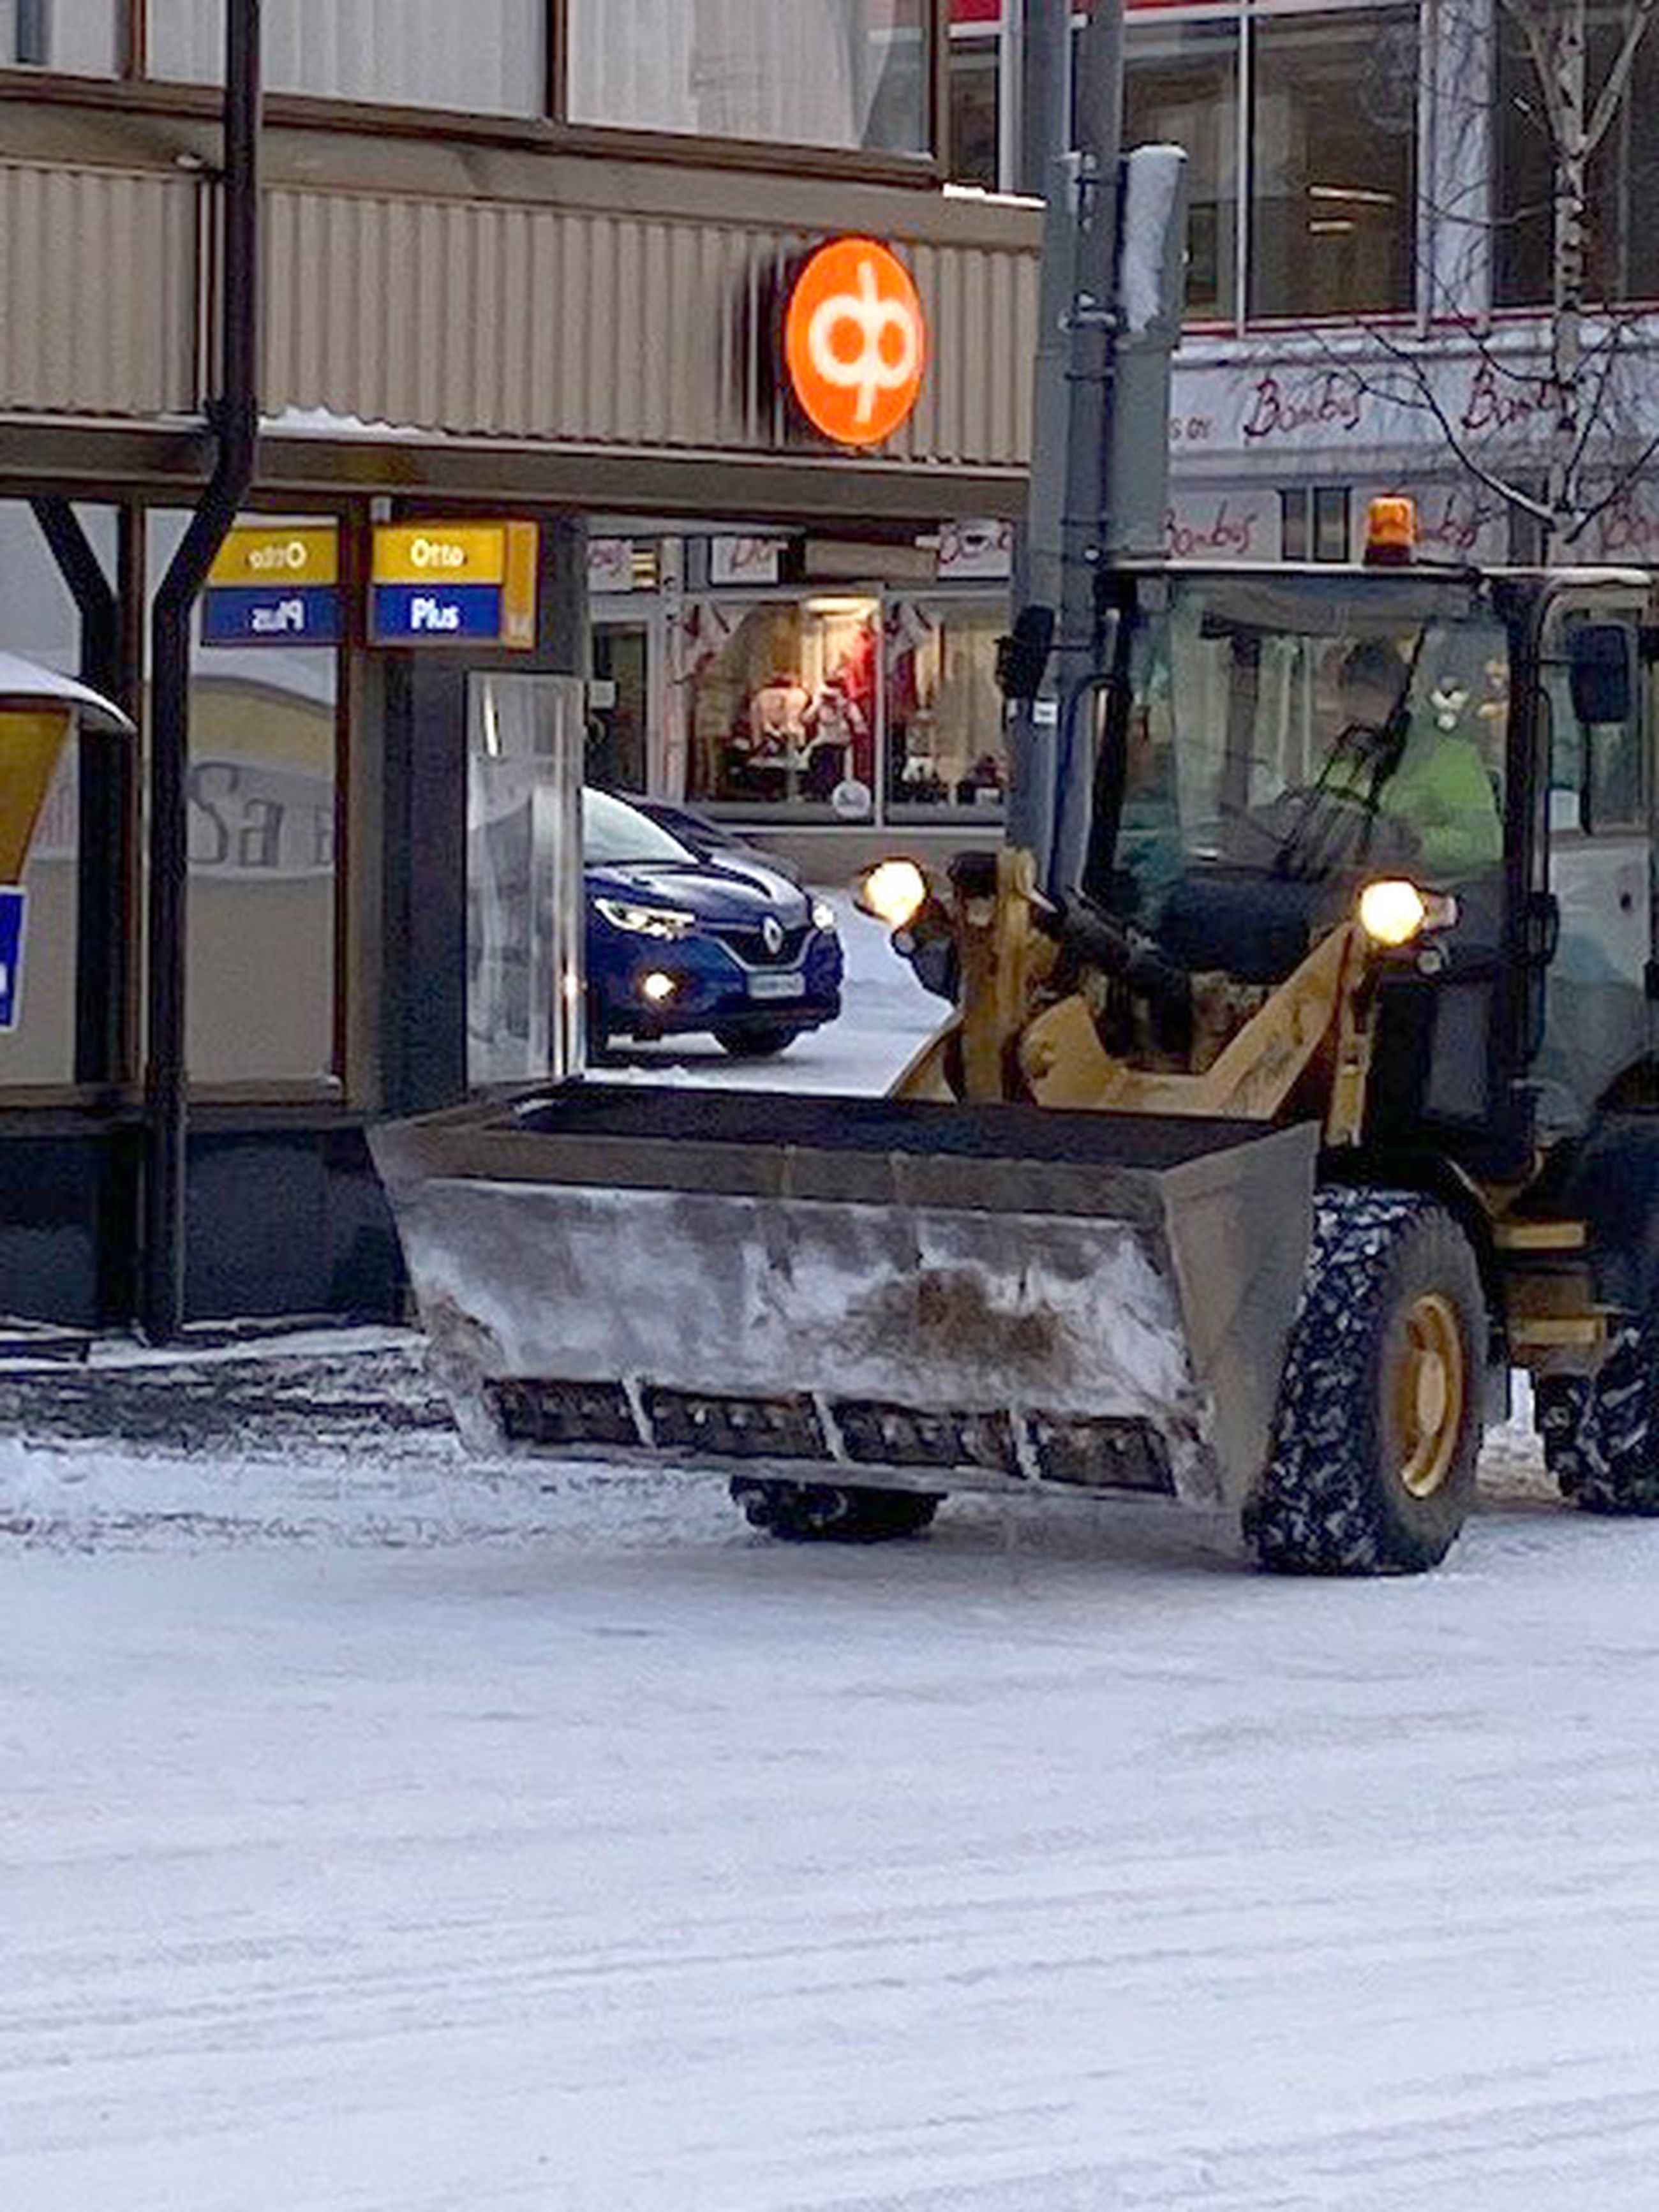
524, 267
527, 263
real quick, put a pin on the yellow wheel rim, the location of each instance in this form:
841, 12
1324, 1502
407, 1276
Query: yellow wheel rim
1430, 1389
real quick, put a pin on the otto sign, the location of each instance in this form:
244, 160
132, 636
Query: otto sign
274, 588
454, 584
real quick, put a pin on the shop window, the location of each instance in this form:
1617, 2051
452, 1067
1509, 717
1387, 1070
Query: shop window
1333, 142
76, 37
1623, 250
487, 56
975, 72
781, 707
1180, 87
945, 750
38, 618
262, 792
1315, 523
849, 73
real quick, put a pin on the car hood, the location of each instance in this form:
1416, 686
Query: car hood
709, 889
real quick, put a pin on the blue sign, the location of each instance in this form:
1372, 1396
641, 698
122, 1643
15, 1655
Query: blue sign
13, 907
270, 614
436, 614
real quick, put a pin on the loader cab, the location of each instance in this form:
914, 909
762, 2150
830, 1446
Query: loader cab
1283, 736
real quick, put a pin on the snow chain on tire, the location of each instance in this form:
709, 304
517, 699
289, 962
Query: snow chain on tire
1331, 1501
822, 1512
1600, 1438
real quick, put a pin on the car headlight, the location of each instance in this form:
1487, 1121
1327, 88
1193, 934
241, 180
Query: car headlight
645, 921
824, 914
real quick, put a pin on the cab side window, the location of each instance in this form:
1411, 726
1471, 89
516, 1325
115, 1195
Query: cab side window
1598, 772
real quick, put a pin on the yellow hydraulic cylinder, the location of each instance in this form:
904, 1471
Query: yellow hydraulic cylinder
31, 744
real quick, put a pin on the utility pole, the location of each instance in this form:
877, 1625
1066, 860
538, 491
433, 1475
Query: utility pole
1056, 630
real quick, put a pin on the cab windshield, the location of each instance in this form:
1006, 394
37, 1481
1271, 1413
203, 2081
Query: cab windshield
1307, 731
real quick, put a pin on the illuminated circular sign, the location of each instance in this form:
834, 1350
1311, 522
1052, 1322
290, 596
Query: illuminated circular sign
855, 342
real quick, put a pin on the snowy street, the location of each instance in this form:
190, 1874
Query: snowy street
385, 1832
380, 1830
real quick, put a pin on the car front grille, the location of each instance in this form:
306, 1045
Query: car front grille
751, 948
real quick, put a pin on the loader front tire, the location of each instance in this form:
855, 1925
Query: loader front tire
1371, 1469
824, 1513
1600, 1438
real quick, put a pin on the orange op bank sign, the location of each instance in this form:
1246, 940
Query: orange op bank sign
855, 342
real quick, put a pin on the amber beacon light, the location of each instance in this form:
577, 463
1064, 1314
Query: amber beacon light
1390, 533
855, 342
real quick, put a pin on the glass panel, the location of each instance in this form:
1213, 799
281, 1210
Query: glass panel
75, 36
782, 705
1296, 735
524, 873
1331, 523
975, 71
1333, 139
946, 748
617, 722
1623, 249
487, 56
1596, 1015
38, 618
848, 73
262, 794
1180, 87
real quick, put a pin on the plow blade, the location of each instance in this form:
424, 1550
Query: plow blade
859, 1291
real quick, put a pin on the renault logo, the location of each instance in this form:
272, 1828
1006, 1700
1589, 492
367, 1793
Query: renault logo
772, 935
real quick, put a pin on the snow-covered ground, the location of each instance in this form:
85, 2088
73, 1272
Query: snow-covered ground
385, 1832
380, 1830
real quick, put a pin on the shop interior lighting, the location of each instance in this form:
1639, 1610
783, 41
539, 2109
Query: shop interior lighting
845, 607
1361, 195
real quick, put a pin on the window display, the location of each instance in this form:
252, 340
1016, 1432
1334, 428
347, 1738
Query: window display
944, 721
782, 709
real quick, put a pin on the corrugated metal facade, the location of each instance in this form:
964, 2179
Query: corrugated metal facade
491, 320
99, 269
585, 326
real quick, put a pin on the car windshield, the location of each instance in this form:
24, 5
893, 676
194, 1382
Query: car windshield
1306, 729
614, 832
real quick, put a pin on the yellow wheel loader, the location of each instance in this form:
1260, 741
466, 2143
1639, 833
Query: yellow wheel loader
1244, 1176
1299, 1079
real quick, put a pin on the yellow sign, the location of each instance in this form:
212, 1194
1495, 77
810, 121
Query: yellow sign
273, 558
441, 553
30, 742
454, 583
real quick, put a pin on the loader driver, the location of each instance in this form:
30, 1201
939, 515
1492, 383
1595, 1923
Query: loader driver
1437, 788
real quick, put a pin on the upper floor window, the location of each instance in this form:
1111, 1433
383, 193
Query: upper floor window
1333, 150
1622, 257
76, 36
1311, 118
841, 73
486, 57
1180, 87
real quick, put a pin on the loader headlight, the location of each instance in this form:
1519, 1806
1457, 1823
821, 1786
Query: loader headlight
895, 892
1394, 912
645, 921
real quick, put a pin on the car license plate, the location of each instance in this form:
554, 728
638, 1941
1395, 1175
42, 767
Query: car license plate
775, 986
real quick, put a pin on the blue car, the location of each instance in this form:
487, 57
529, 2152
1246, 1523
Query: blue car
680, 943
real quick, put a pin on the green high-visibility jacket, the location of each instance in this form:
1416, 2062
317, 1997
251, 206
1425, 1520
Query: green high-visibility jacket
1442, 792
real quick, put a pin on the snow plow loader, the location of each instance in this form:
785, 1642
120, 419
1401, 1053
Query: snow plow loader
1298, 1081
